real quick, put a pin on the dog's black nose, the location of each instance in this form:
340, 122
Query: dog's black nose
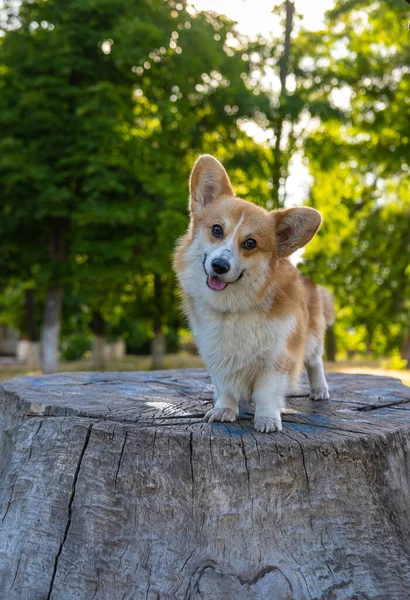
220, 266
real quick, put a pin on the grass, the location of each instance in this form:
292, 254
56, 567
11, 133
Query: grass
181, 360
186, 360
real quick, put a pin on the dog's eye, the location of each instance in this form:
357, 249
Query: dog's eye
250, 244
217, 231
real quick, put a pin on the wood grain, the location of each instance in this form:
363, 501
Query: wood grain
112, 486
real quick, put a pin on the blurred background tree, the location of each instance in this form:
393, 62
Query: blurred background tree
104, 106
361, 177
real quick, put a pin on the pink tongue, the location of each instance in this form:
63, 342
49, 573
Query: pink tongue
216, 284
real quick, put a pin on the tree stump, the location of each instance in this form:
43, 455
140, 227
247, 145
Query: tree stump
112, 487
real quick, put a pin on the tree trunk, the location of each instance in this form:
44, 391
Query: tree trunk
330, 341
113, 486
33, 351
158, 341
369, 339
405, 351
99, 330
33, 359
278, 163
158, 350
50, 334
30, 316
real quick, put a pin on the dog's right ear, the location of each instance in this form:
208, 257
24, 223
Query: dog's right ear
208, 182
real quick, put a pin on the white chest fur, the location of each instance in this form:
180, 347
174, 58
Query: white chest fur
233, 342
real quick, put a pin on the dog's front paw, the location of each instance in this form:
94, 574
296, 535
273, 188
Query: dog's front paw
268, 424
221, 414
321, 393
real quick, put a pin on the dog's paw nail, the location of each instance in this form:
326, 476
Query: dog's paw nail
268, 424
319, 394
221, 414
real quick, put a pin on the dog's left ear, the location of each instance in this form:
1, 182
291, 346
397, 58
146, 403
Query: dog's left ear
294, 228
208, 182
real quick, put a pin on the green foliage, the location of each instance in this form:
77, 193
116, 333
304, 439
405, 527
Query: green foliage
12, 306
75, 346
361, 182
394, 362
104, 106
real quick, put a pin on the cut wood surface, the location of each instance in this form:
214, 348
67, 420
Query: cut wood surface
113, 487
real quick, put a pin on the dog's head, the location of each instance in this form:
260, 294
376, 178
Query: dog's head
229, 255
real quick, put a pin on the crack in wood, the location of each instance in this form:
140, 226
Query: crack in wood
154, 437
248, 477
262, 573
15, 574
195, 580
69, 510
120, 459
370, 407
191, 435
10, 500
302, 452
188, 559
328, 593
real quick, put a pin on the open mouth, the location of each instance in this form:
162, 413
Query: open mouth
216, 284
213, 281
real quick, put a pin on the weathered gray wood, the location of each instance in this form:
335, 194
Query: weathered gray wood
112, 486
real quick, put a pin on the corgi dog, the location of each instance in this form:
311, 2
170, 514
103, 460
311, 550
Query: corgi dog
255, 319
